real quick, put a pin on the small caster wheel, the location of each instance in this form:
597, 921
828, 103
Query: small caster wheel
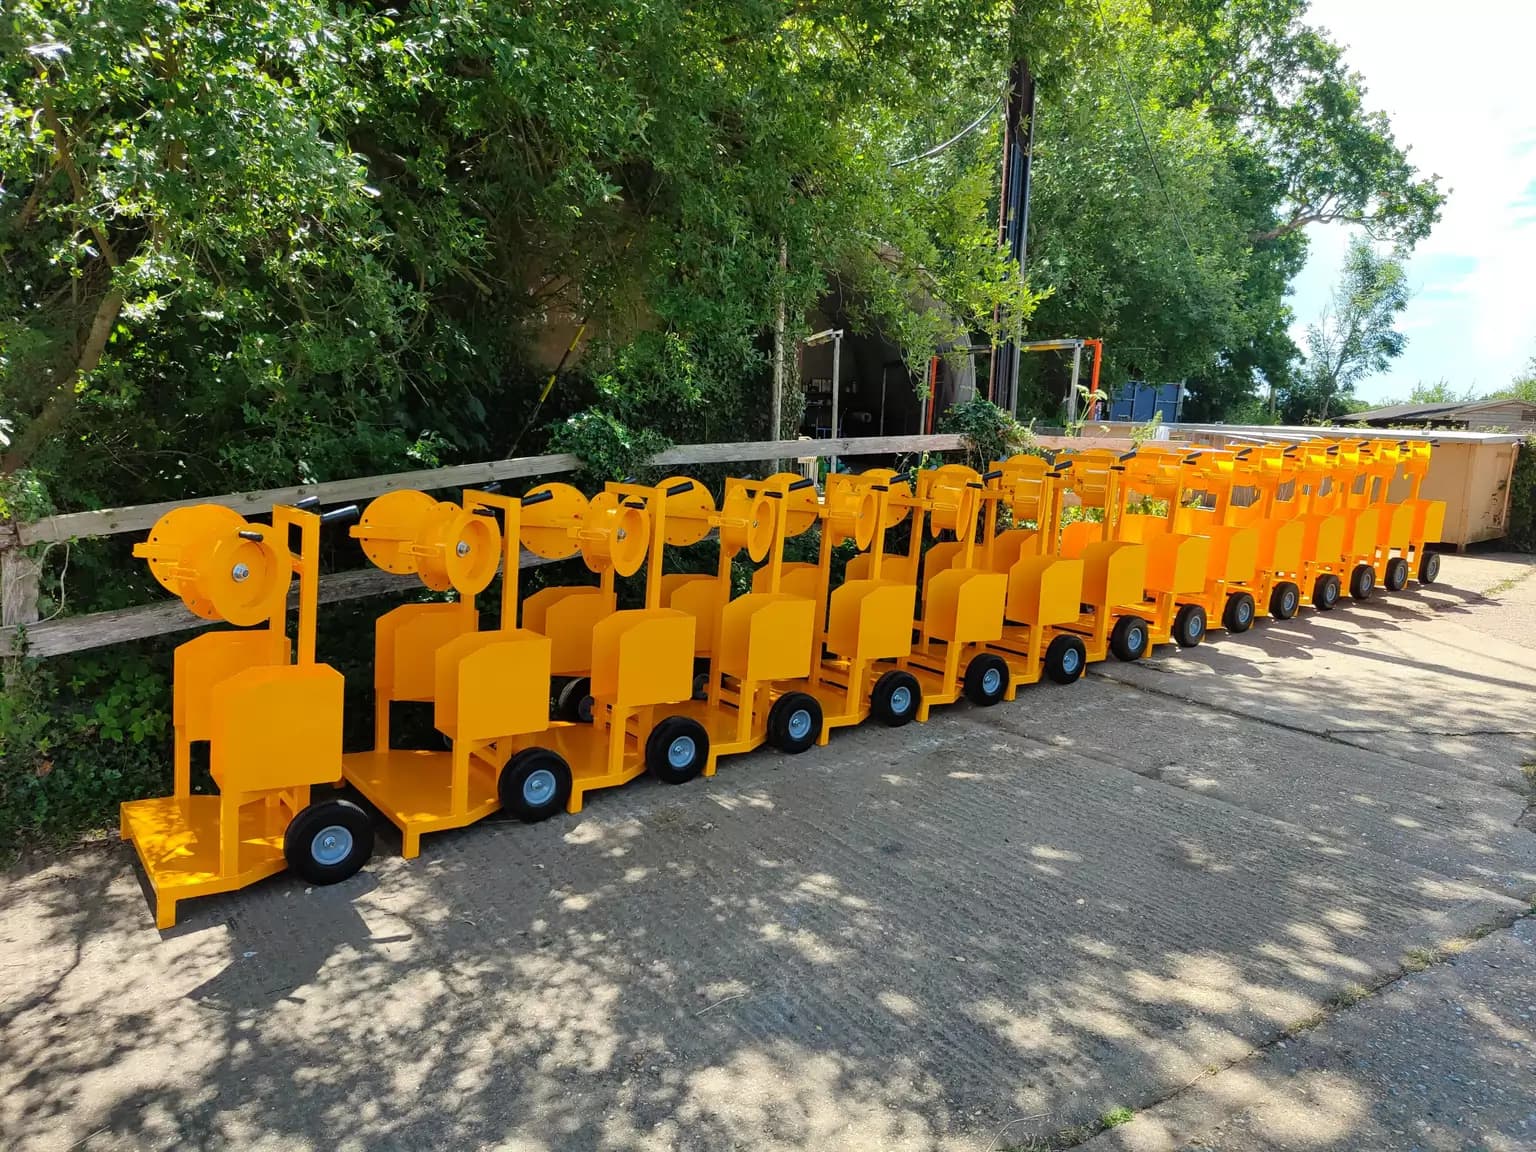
1397, 575
1066, 657
895, 698
1129, 638
986, 679
1429, 568
1189, 626
1238, 615
535, 784
1285, 601
794, 722
328, 841
1362, 582
1325, 593
677, 750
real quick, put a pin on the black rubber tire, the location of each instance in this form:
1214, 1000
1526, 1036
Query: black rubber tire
986, 679
1397, 575
1362, 582
1239, 613
1066, 659
1325, 593
1189, 626
310, 834
886, 698
575, 701
530, 805
792, 711
1429, 568
1130, 638
665, 745
1285, 601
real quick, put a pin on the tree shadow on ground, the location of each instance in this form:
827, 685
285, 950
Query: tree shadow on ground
968, 935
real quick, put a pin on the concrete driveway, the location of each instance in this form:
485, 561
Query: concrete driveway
1233, 892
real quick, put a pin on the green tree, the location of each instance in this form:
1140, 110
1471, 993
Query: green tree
1440, 392
1522, 387
1353, 338
1180, 160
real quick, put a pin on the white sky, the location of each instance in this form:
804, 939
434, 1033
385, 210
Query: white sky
1457, 80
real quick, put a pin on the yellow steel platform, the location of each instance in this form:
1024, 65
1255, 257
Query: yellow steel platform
178, 844
411, 788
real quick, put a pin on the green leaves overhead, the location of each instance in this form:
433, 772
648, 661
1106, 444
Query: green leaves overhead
247, 243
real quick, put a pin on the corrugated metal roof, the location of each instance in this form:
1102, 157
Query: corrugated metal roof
1399, 412
1431, 411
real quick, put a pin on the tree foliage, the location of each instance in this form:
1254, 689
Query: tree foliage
1182, 155
251, 243
1522, 387
1355, 336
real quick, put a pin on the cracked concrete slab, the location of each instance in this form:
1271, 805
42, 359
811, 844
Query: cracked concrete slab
966, 935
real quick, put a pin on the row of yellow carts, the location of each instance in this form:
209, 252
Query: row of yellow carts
960, 584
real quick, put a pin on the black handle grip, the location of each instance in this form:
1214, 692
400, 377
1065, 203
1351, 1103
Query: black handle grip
980, 487
485, 512
493, 487
635, 503
537, 498
340, 515
879, 487
1244, 453
247, 534
801, 484
774, 494
1128, 455
680, 487
307, 503
995, 474
907, 477
1192, 458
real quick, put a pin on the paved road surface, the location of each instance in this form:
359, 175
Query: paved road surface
1161, 890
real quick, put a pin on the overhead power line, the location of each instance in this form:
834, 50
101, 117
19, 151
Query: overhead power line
955, 139
1146, 141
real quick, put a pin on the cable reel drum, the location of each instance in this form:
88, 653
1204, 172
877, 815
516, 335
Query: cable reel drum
608, 531
220, 565
952, 492
853, 510
440, 542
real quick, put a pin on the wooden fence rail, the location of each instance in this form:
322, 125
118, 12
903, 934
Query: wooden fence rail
22, 630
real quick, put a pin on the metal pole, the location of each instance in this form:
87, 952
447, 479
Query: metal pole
1013, 213
1077, 367
778, 350
837, 357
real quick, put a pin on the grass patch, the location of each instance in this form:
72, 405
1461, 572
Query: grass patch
1350, 995
1116, 1117
1502, 586
1418, 959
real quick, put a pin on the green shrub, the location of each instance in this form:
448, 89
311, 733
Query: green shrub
78, 735
990, 432
1522, 499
